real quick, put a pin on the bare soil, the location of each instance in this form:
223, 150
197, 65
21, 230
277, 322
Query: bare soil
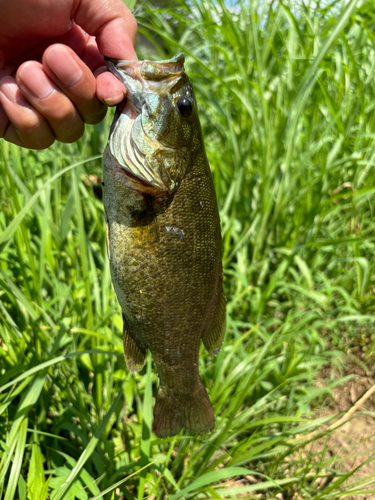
350, 445
354, 442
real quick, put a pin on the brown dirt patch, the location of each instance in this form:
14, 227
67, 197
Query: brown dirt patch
354, 442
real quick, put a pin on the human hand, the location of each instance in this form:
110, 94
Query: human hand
53, 78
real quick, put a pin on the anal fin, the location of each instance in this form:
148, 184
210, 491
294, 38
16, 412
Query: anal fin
214, 331
134, 352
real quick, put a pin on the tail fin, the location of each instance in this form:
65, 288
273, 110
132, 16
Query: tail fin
174, 412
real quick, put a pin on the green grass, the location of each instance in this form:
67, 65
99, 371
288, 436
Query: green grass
286, 98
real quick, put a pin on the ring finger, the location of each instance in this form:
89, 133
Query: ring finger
19, 122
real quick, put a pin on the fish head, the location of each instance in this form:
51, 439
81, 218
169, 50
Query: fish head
155, 128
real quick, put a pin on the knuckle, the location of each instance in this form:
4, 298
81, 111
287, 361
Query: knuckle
66, 122
64, 112
97, 117
42, 142
133, 25
4, 122
38, 138
29, 123
71, 135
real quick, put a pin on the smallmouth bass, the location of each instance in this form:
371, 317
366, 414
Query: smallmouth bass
163, 237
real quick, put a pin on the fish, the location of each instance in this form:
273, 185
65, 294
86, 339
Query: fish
163, 237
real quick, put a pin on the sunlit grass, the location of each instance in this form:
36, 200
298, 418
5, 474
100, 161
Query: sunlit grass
286, 98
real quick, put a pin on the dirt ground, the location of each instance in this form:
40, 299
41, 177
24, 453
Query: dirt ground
354, 442
351, 444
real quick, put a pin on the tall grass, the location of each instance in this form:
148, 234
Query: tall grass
286, 101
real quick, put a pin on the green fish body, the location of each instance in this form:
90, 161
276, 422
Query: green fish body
163, 237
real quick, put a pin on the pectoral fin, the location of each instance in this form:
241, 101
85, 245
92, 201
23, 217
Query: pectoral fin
134, 352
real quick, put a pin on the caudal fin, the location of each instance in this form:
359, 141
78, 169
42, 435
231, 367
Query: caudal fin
174, 412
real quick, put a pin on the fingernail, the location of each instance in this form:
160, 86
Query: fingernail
9, 89
37, 82
65, 67
112, 101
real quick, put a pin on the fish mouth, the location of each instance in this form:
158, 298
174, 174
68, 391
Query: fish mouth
147, 70
140, 77
129, 142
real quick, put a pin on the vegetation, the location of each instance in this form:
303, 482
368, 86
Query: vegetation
287, 99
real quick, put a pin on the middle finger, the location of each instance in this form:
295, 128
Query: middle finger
50, 102
75, 78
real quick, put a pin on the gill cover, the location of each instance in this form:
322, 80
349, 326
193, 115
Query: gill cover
152, 133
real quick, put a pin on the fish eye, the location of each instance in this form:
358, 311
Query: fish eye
184, 106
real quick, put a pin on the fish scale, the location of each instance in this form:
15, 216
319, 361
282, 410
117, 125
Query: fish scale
164, 241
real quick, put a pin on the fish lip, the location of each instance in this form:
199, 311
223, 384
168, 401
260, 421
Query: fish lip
137, 75
172, 66
133, 85
112, 64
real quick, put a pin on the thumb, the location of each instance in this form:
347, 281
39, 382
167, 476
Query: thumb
113, 25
